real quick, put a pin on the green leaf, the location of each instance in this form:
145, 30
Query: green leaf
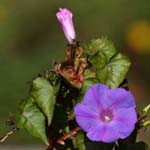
29, 117
45, 94
111, 67
116, 69
141, 146
87, 84
89, 74
103, 45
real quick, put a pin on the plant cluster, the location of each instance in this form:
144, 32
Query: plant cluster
84, 102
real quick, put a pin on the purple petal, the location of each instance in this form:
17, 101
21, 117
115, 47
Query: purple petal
86, 117
120, 98
125, 120
96, 95
99, 102
107, 133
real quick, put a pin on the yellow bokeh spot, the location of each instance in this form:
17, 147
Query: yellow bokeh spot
138, 37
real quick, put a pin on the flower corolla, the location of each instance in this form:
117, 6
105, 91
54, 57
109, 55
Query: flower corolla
106, 114
64, 16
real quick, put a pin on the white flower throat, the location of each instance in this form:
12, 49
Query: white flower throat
106, 116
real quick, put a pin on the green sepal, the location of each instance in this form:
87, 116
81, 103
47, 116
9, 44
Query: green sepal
45, 94
28, 116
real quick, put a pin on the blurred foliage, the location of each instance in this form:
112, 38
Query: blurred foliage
30, 38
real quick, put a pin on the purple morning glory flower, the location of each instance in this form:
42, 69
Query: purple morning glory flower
64, 16
106, 114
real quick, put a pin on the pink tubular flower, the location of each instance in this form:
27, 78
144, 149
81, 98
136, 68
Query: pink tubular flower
106, 114
64, 16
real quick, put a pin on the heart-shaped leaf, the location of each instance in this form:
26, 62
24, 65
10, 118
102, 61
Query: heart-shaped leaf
45, 94
100, 44
116, 69
111, 67
29, 117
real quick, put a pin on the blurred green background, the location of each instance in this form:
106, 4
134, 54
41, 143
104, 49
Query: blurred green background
31, 37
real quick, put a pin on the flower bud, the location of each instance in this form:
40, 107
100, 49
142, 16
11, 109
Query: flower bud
64, 16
